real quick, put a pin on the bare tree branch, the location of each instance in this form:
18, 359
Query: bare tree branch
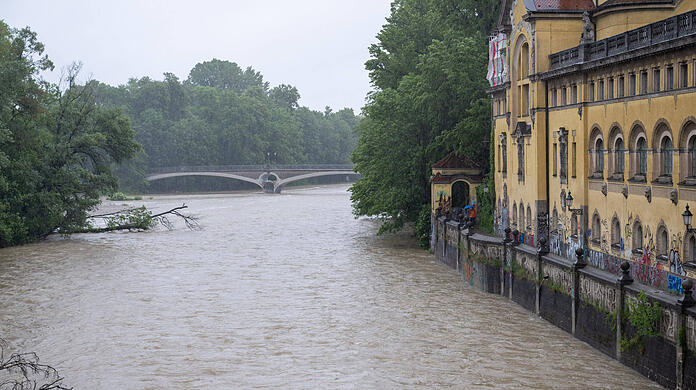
22, 371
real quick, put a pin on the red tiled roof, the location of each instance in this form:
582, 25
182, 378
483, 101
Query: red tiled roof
564, 5
453, 161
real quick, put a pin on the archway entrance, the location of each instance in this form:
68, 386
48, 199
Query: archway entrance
460, 194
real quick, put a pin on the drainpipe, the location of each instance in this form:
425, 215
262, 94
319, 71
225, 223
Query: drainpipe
548, 197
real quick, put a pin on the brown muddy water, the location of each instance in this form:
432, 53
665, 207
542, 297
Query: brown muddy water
277, 291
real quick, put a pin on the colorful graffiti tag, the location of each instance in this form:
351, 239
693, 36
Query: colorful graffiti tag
675, 264
645, 272
526, 239
675, 284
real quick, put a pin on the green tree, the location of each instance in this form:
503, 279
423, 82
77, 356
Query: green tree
428, 70
58, 144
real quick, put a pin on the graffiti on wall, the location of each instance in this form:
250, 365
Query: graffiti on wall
646, 272
675, 264
526, 239
597, 293
674, 283
562, 248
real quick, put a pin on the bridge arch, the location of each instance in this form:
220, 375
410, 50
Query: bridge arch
281, 183
161, 176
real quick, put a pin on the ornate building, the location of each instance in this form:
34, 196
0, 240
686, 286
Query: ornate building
594, 111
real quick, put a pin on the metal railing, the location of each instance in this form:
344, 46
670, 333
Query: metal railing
669, 29
252, 168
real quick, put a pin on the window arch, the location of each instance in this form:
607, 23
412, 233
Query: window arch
599, 156
691, 248
596, 229
522, 226
662, 239
662, 164
523, 61
596, 153
615, 233
687, 155
514, 215
638, 153
503, 153
618, 149
637, 237
529, 219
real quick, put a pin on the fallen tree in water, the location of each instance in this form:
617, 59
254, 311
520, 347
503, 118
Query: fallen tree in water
135, 219
22, 371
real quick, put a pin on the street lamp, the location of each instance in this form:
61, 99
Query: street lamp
687, 215
581, 253
569, 205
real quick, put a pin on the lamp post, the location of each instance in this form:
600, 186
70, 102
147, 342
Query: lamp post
687, 215
578, 211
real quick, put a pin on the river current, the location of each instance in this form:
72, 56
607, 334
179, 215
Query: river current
276, 291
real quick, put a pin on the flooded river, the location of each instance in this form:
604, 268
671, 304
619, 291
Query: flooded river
276, 291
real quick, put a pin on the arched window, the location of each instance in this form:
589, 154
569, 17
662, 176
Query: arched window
666, 150
596, 229
523, 64
637, 236
687, 155
514, 215
504, 153
529, 219
615, 233
642, 156
563, 142
522, 226
692, 156
662, 161
599, 156
638, 154
692, 248
520, 158
662, 241
619, 157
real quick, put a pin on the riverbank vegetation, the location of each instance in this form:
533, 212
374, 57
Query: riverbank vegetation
428, 70
56, 144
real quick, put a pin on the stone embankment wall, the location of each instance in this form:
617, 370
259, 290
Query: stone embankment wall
646, 329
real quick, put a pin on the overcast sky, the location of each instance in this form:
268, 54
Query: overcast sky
319, 46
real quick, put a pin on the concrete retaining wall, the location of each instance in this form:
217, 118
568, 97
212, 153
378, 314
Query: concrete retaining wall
587, 302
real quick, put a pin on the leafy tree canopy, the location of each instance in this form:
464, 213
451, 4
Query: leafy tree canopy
56, 144
428, 70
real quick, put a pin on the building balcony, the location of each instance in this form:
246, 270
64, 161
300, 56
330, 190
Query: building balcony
664, 31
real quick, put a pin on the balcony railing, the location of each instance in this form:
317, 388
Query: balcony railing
665, 30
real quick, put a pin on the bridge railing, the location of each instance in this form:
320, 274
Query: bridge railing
247, 168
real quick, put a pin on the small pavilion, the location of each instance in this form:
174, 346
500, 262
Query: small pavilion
453, 183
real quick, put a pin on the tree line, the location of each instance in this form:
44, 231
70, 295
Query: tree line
224, 115
428, 71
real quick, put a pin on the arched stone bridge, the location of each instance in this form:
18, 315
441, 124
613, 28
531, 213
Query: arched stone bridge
271, 178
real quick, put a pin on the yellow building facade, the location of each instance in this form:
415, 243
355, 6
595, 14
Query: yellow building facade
597, 99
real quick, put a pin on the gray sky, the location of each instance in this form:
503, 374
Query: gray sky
319, 46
